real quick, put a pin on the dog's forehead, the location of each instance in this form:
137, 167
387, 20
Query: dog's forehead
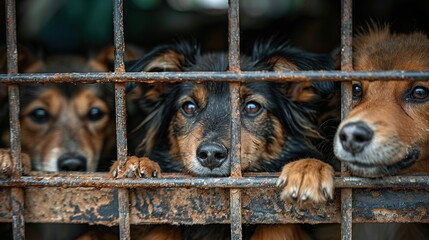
69, 91
207, 90
385, 89
218, 62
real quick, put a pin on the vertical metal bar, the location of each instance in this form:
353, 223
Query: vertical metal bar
121, 126
17, 194
346, 65
234, 66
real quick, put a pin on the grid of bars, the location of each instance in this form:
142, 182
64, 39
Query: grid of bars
235, 182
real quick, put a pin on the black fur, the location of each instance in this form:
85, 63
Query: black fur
298, 120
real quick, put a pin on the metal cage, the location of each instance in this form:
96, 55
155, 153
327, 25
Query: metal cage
234, 200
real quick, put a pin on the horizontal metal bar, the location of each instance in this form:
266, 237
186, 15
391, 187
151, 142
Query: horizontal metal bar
186, 181
207, 206
212, 76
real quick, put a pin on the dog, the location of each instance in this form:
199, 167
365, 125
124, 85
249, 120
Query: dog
67, 127
187, 128
64, 127
386, 132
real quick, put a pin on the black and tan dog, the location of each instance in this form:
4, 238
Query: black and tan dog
188, 124
387, 130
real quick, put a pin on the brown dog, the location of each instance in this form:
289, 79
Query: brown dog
388, 129
64, 127
67, 127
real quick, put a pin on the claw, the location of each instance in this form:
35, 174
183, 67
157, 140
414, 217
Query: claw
281, 183
325, 193
294, 194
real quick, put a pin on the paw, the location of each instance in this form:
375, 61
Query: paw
6, 163
307, 181
136, 167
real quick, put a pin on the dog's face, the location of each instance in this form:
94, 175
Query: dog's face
66, 127
199, 131
195, 118
388, 129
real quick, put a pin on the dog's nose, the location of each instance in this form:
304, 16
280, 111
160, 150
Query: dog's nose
355, 136
72, 162
212, 155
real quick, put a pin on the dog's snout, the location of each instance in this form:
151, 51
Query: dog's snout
71, 162
212, 155
355, 136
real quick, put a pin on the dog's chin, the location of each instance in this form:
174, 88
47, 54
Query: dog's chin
200, 171
380, 170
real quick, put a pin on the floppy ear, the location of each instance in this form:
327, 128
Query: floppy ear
278, 56
104, 60
307, 92
27, 60
153, 97
167, 58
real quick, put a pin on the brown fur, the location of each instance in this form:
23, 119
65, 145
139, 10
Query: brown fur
6, 163
135, 166
170, 61
279, 232
45, 141
159, 232
305, 178
399, 125
69, 130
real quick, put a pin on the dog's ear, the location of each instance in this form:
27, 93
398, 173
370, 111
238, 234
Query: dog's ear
154, 101
28, 62
278, 56
104, 60
167, 58
306, 92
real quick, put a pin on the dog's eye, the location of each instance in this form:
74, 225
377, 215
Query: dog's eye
95, 114
419, 93
189, 108
252, 108
40, 115
356, 90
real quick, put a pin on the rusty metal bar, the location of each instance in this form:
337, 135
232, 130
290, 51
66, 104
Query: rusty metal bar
150, 77
211, 206
185, 181
17, 194
121, 111
234, 66
346, 65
